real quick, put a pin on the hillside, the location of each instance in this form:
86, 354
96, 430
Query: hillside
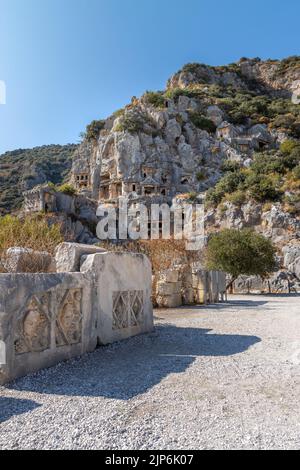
229, 135
23, 169
240, 121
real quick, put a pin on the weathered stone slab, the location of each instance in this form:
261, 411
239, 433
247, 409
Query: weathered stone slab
25, 260
169, 301
169, 288
123, 285
44, 319
49, 318
188, 296
171, 275
68, 255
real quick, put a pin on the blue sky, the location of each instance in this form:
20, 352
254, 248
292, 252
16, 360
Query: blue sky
66, 62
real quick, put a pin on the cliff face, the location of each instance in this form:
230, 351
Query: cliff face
229, 135
273, 77
214, 132
177, 141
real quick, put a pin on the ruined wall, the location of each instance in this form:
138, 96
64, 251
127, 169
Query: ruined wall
188, 285
49, 318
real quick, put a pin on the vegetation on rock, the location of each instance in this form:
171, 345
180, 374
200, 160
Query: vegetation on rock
21, 170
93, 130
266, 180
155, 98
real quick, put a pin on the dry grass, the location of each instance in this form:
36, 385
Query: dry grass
163, 254
32, 233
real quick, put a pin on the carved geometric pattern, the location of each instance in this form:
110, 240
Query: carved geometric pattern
33, 328
128, 309
68, 327
136, 307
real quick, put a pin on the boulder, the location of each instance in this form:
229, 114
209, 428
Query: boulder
169, 288
68, 256
169, 301
215, 114
291, 253
25, 260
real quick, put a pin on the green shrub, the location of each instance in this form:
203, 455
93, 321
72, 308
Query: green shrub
132, 122
202, 122
262, 188
237, 198
191, 68
226, 185
213, 197
119, 113
266, 163
93, 129
296, 173
201, 176
230, 166
230, 182
288, 146
155, 99
67, 189
192, 196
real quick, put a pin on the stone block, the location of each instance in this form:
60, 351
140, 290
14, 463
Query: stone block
200, 296
25, 260
198, 281
187, 280
68, 255
123, 285
188, 296
169, 301
169, 288
171, 275
44, 319
49, 318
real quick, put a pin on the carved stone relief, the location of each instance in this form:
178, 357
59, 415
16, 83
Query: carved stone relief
128, 309
33, 329
68, 329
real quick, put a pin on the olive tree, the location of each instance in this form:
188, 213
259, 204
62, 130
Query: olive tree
241, 252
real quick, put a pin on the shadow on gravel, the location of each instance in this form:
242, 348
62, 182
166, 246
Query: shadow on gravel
130, 368
234, 303
251, 304
10, 407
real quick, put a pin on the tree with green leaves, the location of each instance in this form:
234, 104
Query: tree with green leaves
241, 252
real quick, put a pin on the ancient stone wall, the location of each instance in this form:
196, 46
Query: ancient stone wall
189, 285
49, 318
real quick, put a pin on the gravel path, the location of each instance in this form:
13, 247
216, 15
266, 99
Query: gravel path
217, 377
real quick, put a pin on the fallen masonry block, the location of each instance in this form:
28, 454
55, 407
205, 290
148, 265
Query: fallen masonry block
169, 301
169, 288
25, 260
68, 255
171, 275
200, 296
188, 296
123, 285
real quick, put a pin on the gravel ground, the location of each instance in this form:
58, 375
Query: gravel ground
216, 377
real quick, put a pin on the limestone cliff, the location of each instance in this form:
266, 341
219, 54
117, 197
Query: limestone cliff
211, 123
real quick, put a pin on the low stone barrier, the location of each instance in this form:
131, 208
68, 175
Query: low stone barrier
48, 318
189, 286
